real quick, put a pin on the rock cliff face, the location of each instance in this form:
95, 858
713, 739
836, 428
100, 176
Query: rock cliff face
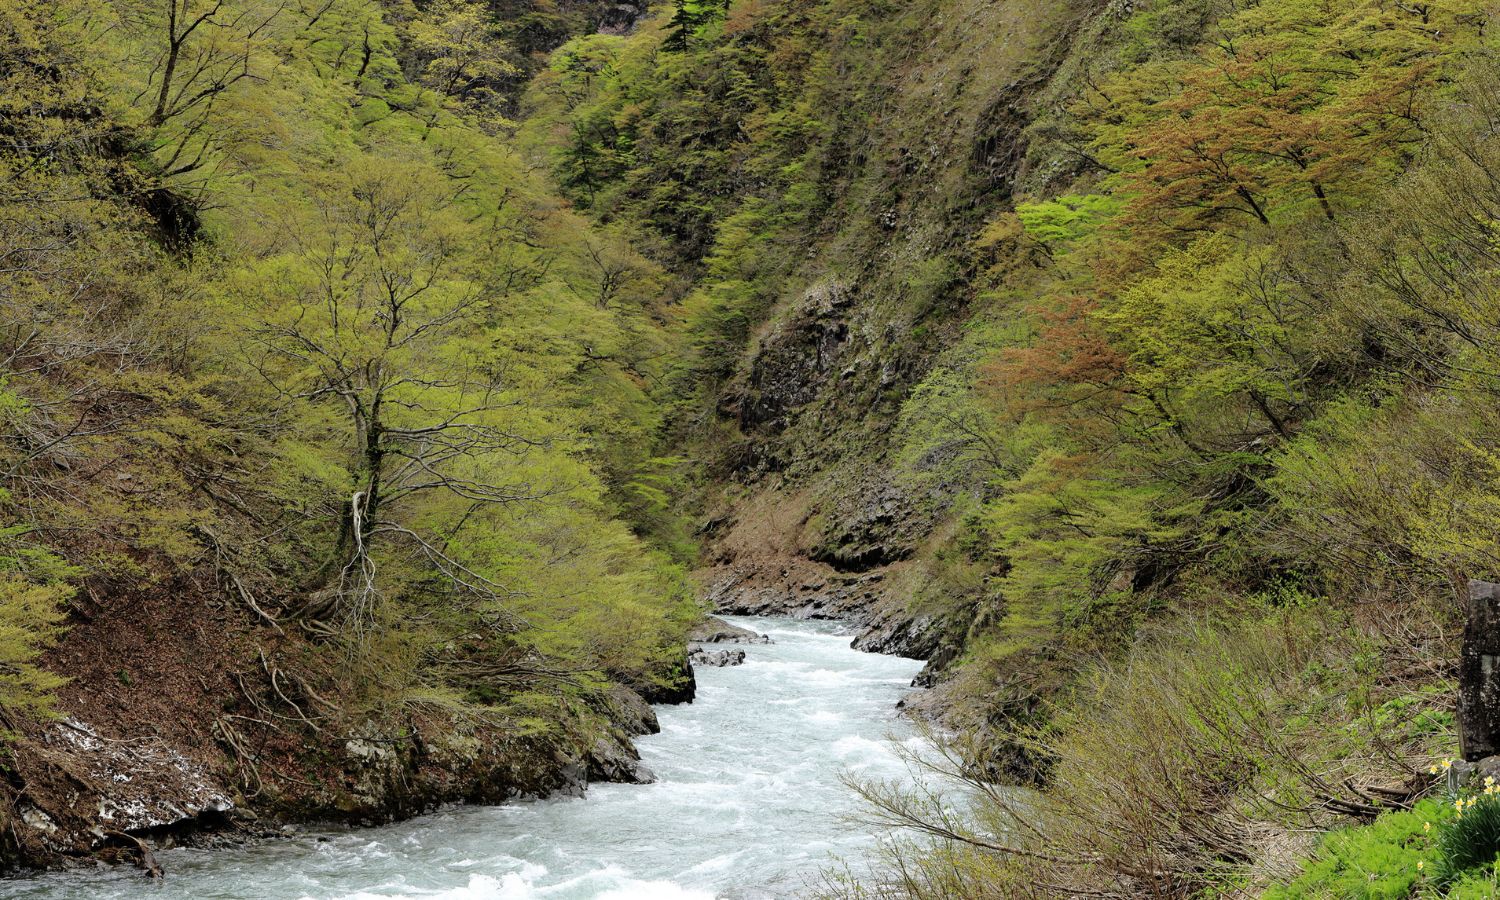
815, 515
793, 363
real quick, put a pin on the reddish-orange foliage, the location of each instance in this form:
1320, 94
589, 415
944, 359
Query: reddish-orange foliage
1295, 114
1069, 352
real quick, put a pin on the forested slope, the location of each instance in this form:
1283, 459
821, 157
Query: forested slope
326, 460
1131, 362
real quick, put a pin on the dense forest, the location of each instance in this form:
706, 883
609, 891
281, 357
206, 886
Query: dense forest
389, 386
319, 421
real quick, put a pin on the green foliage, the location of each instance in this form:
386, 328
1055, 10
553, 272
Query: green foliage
34, 590
462, 57
1257, 125
1434, 849
1062, 222
31, 616
300, 323
1249, 354
689, 17
1379, 860
288, 306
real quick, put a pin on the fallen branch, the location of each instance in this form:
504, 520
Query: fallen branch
147, 859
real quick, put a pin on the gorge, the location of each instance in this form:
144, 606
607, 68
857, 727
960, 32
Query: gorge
391, 390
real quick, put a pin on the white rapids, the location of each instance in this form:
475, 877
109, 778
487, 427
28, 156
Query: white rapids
749, 805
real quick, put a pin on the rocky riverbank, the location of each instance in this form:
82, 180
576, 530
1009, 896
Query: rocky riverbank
91, 786
88, 791
762, 562
154, 744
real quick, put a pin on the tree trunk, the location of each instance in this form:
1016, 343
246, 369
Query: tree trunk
1479, 673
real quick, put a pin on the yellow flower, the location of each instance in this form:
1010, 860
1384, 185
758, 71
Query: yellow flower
1432, 770
1447, 764
1426, 826
1420, 864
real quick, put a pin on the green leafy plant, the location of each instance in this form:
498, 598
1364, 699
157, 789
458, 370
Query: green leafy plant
1470, 839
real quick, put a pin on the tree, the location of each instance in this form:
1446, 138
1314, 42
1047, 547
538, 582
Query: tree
1291, 104
1216, 337
461, 57
195, 52
377, 315
34, 589
688, 18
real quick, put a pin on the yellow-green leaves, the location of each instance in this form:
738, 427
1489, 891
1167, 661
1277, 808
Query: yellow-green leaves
462, 57
33, 591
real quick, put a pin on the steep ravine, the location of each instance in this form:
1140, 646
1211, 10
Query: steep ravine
811, 508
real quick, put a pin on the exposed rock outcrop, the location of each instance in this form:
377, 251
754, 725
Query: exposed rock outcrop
678, 685
760, 565
713, 630
84, 786
793, 362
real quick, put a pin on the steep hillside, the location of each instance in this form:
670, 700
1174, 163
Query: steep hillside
817, 176
326, 468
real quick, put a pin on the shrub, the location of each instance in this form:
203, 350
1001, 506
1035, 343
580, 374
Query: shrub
33, 591
1172, 768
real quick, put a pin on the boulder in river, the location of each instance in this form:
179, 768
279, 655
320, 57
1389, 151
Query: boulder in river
703, 656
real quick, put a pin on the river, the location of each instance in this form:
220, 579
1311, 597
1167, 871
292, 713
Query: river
748, 805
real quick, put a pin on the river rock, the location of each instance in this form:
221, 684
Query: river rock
717, 658
617, 761
714, 630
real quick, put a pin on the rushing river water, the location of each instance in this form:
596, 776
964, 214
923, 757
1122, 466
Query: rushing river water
749, 804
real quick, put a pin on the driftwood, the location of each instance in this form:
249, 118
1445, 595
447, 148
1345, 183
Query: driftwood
146, 859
